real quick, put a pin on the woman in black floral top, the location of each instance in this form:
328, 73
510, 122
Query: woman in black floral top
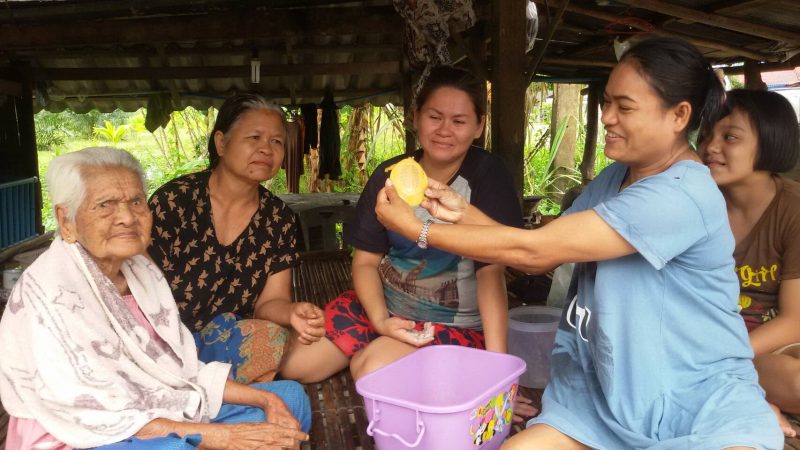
227, 245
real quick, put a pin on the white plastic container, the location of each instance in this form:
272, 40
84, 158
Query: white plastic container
531, 336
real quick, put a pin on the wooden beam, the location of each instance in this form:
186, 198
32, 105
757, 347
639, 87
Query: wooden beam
732, 5
246, 25
171, 50
716, 20
707, 43
271, 94
201, 72
730, 49
37, 11
539, 51
509, 81
577, 62
8, 87
591, 49
764, 67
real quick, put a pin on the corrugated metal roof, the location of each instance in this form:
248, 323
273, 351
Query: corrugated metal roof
107, 54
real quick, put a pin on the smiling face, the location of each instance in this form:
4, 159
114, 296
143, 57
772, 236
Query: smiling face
447, 124
639, 129
113, 222
731, 150
253, 148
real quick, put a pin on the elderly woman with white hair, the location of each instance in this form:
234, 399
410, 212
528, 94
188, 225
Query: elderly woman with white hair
94, 352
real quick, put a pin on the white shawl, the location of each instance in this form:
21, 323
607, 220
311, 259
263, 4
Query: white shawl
75, 359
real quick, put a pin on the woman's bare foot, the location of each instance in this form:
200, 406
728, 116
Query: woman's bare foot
786, 427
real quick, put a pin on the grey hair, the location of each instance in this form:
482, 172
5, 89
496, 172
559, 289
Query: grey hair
229, 114
64, 176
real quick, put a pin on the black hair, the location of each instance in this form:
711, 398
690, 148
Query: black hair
230, 112
775, 123
449, 76
678, 72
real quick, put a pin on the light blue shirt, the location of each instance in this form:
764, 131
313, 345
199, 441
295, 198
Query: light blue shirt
648, 342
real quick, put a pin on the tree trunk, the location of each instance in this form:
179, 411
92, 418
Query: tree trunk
357, 146
566, 107
590, 146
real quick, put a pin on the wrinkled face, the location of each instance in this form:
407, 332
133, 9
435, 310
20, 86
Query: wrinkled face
731, 150
447, 124
638, 127
253, 148
113, 222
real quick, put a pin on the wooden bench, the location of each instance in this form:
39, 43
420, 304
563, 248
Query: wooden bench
339, 419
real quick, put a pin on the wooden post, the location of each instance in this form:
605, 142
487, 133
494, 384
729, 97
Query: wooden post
407, 89
29, 159
590, 146
477, 44
508, 85
752, 76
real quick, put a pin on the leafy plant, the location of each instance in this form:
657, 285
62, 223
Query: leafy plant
110, 132
51, 134
540, 175
548, 207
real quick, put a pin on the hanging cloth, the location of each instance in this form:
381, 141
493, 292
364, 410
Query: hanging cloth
329, 143
428, 25
293, 160
311, 133
159, 110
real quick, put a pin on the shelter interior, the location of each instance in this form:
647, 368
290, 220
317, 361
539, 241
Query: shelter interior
170, 54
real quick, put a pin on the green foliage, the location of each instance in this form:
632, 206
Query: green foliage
50, 135
48, 220
180, 147
540, 174
110, 132
548, 207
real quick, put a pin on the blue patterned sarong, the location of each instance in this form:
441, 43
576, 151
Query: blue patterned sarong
252, 347
290, 392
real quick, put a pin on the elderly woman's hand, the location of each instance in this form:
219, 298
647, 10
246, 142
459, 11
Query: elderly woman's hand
247, 436
277, 412
395, 214
308, 321
443, 202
